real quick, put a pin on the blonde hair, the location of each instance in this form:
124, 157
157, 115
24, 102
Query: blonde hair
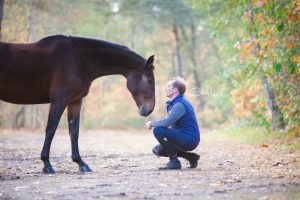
179, 84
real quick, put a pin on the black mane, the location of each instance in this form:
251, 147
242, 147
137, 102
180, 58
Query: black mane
99, 43
105, 44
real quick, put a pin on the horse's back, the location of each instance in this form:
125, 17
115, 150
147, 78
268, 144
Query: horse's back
32, 55
26, 69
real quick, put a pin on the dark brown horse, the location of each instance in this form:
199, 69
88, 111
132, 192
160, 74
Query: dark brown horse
59, 70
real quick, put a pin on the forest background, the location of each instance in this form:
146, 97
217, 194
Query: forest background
240, 58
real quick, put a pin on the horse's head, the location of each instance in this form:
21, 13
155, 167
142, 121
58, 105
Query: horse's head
141, 85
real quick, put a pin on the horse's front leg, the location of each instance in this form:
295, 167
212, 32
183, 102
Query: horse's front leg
73, 120
55, 112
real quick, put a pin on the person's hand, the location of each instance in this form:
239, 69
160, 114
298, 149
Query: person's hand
148, 125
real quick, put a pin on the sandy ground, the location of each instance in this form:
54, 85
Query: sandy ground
124, 167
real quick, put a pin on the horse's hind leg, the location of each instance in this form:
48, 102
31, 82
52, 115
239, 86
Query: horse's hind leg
56, 110
73, 120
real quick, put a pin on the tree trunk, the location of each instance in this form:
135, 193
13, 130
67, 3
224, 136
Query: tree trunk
35, 118
277, 118
19, 119
198, 82
177, 51
1, 15
192, 47
30, 21
173, 61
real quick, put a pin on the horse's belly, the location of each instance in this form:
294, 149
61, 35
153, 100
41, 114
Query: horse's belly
22, 93
21, 99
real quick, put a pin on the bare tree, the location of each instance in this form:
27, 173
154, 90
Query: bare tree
177, 51
277, 118
1, 15
197, 78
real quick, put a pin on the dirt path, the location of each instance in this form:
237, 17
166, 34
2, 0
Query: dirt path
124, 167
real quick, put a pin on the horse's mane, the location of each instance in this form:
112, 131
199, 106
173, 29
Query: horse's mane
105, 44
92, 42
99, 43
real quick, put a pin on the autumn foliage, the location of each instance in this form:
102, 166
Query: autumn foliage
270, 47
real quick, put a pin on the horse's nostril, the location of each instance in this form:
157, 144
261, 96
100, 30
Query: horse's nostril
143, 111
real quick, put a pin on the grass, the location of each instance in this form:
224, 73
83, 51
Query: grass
260, 136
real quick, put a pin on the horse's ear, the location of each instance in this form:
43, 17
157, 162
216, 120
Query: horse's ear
150, 61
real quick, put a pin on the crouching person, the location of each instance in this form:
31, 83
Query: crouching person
178, 132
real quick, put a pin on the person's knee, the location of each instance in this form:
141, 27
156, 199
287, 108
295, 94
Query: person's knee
156, 150
158, 131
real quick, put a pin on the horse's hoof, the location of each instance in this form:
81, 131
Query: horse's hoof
48, 170
85, 168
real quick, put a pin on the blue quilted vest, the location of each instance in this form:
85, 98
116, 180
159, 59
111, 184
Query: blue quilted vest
187, 123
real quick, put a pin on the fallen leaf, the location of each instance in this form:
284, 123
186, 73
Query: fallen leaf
264, 145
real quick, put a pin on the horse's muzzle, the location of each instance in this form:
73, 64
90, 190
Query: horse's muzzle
144, 111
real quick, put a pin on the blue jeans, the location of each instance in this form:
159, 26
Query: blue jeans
181, 141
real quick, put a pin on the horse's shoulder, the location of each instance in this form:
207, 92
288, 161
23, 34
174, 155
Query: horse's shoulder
4, 50
4, 46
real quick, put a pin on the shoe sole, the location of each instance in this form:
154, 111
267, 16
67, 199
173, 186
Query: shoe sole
169, 168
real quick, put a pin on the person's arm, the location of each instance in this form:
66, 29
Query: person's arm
176, 112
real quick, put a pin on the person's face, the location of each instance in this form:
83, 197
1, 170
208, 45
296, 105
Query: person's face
170, 90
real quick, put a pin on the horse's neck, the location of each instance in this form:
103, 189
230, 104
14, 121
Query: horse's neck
101, 61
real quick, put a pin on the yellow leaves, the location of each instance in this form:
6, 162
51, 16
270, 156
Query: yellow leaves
248, 47
295, 131
257, 3
245, 49
271, 44
257, 53
265, 32
265, 2
295, 14
295, 59
290, 45
268, 43
247, 100
243, 54
259, 18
